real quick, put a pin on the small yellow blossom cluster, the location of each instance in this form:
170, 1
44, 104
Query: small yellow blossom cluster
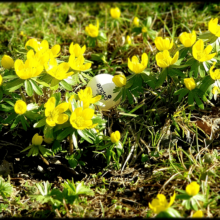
163, 58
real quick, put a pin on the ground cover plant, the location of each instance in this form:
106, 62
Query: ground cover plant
155, 154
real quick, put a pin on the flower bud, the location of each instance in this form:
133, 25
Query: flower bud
7, 62
37, 139
136, 21
115, 137
190, 83
128, 40
115, 12
119, 80
192, 189
20, 107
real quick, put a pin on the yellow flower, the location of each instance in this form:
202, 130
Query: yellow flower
58, 71
128, 40
43, 47
119, 80
38, 58
81, 118
7, 62
115, 12
213, 27
144, 29
115, 137
164, 59
190, 83
87, 98
31, 68
54, 115
22, 34
136, 21
77, 63
192, 189
201, 54
137, 67
48, 140
37, 139
188, 39
198, 214
215, 90
36, 45
20, 107
77, 50
214, 74
160, 204
92, 30
1, 80
163, 44
55, 51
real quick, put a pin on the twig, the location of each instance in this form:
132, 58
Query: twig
132, 149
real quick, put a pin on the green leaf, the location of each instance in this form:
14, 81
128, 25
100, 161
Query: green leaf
65, 133
118, 96
119, 149
198, 101
186, 204
48, 131
206, 82
175, 72
1, 94
169, 213
84, 136
56, 147
15, 122
28, 88
190, 98
194, 204
206, 35
10, 118
184, 196
201, 70
6, 189
24, 122
14, 84
40, 123
36, 88
74, 137
194, 68
161, 78
183, 52
130, 98
71, 80
65, 85
183, 93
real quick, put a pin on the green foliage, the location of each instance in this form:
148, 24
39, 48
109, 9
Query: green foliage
6, 188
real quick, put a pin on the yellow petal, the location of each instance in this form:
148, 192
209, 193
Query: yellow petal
62, 107
62, 118
88, 113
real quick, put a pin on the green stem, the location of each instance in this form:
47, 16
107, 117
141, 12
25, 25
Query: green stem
51, 92
22, 95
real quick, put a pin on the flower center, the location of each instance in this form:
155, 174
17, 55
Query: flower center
80, 121
201, 54
54, 114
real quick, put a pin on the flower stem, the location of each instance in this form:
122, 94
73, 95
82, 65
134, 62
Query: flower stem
22, 95
71, 144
